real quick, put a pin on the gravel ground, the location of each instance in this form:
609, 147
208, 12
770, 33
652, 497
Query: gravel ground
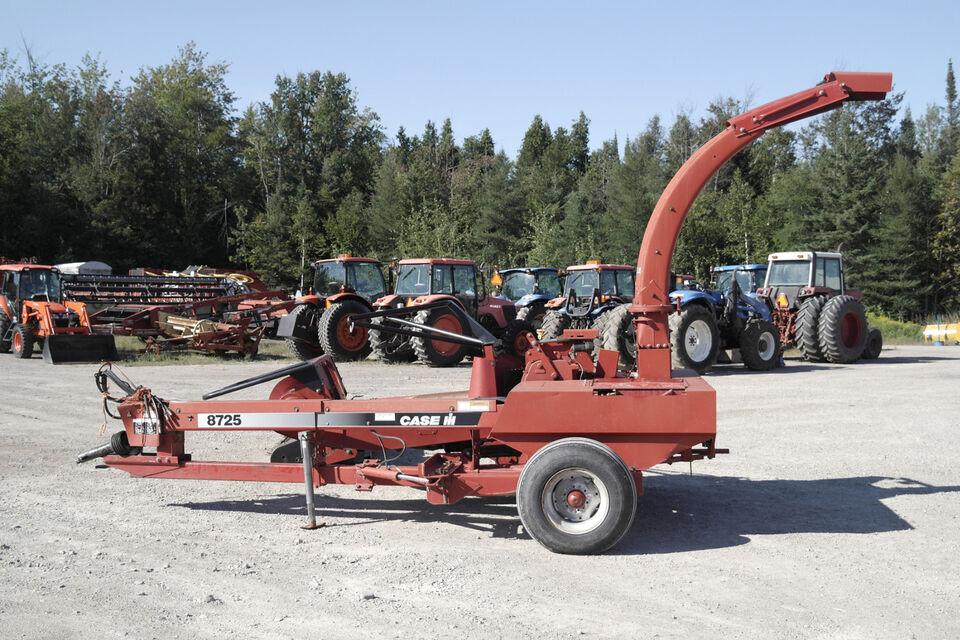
835, 516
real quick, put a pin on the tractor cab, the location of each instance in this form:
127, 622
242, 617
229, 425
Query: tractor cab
749, 277
795, 276
362, 276
594, 285
28, 283
525, 283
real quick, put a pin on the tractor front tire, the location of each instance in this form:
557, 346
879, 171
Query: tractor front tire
22, 342
534, 314
576, 496
843, 329
435, 352
760, 345
554, 324
694, 338
4, 328
389, 347
515, 337
871, 351
618, 333
300, 348
808, 328
337, 339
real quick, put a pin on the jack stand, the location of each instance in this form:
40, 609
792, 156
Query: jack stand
306, 452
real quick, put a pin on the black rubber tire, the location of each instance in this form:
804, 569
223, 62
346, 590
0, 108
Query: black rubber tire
4, 327
760, 345
329, 338
554, 324
871, 351
601, 462
24, 336
426, 352
534, 314
618, 333
389, 347
679, 325
299, 348
509, 339
836, 312
807, 325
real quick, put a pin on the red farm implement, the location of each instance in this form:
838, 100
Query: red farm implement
570, 435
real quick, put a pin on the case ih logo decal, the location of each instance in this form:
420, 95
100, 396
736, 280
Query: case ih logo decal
234, 421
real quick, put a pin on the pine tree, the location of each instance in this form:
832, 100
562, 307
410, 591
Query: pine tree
946, 243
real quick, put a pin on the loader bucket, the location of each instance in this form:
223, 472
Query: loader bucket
64, 349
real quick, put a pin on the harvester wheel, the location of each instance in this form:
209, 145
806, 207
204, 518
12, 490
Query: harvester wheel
694, 338
299, 348
554, 324
389, 347
337, 339
514, 339
435, 352
874, 345
22, 341
534, 314
4, 327
843, 329
618, 333
760, 345
575, 495
808, 328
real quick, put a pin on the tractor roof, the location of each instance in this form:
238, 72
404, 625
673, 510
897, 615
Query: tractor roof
802, 255
346, 259
437, 261
739, 267
600, 267
527, 270
22, 266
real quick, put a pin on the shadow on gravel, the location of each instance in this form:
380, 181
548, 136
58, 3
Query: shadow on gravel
678, 513
687, 513
740, 370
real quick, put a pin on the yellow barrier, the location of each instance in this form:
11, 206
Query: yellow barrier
946, 333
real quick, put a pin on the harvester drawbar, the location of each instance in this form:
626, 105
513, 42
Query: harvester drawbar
568, 433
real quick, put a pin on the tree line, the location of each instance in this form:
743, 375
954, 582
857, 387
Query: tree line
165, 170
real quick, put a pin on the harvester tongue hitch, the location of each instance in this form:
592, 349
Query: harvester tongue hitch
569, 434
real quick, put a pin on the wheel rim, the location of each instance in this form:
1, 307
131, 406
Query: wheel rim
17, 342
698, 340
575, 501
446, 323
351, 340
766, 345
850, 330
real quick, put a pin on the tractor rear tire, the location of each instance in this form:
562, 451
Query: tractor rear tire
808, 328
534, 314
389, 347
694, 338
871, 351
760, 345
554, 324
22, 342
434, 352
337, 339
618, 333
4, 328
514, 340
299, 348
576, 496
843, 329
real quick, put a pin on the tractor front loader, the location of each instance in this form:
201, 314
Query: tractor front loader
33, 312
569, 435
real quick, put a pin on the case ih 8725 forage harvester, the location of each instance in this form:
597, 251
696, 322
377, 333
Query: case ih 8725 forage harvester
542, 420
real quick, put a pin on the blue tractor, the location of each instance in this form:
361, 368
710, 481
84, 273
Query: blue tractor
728, 316
530, 288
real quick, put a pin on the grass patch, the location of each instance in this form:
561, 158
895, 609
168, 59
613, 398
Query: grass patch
896, 331
132, 354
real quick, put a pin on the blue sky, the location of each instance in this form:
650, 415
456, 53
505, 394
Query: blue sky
496, 64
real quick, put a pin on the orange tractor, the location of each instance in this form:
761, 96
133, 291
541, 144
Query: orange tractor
32, 310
